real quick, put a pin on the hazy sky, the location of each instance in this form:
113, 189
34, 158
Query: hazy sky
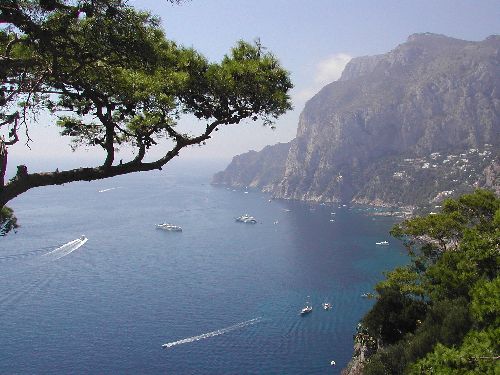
313, 40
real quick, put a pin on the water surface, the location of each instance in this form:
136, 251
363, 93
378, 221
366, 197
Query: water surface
225, 294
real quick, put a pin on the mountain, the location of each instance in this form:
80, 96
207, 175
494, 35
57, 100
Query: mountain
413, 125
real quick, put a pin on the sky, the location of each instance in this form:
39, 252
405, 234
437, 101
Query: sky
312, 39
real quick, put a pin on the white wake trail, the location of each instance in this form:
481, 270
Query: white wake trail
109, 189
213, 333
67, 248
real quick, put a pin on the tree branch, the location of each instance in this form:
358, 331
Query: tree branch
23, 182
108, 144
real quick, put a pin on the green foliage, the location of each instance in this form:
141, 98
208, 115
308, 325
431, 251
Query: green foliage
485, 304
444, 230
440, 315
477, 355
448, 320
406, 280
393, 316
479, 208
8, 221
445, 321
455, 272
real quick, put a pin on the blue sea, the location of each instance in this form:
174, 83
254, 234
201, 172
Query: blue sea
220, 297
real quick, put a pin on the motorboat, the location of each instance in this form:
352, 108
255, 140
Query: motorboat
306, 309
327, 305
383, 243
169, 227
246, 219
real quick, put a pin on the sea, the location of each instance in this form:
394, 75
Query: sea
220, 297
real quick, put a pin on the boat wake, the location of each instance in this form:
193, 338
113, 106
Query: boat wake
22, 256
109, 189
66, 249
213, 333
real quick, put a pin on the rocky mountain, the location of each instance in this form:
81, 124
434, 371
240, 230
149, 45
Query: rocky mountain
398, 128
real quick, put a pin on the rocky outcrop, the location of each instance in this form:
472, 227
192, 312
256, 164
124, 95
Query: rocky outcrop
261, 170
356, 364
432, 94
491, 175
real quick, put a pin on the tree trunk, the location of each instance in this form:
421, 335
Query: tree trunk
3, 165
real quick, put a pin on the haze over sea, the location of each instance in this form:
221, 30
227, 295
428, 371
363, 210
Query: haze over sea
224, 296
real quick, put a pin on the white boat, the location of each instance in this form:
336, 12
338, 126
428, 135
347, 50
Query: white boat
306, 309
327, 305
246, 219
383, 243
169, 227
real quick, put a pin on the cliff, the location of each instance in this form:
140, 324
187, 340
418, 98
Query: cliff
397, 128
262, 169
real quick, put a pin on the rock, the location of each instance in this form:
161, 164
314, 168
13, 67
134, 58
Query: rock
430, 96
255, 169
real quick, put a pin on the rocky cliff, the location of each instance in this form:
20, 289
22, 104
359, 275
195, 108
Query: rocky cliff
397, 128
261, 170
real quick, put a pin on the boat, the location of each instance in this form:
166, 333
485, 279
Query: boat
383, 243
246, 219
368, 295
169, 227
306, 309
327, 305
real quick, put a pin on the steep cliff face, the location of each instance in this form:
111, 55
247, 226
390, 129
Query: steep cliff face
254, 169
430, 94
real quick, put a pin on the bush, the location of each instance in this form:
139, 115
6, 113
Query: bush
393, 315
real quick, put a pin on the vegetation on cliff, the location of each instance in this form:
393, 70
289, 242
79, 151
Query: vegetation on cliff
440, 314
